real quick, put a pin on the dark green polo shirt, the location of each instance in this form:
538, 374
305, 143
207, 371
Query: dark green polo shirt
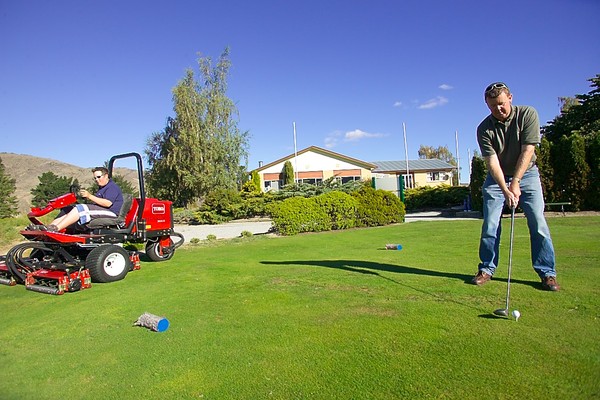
506, 138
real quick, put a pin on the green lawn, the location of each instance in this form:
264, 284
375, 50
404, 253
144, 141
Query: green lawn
319, 316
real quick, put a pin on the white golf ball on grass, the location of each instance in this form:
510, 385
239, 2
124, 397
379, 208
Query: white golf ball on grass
516, 314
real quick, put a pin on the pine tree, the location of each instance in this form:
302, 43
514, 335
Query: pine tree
478, 175
8, 201
50, 187
544, 163
574, 148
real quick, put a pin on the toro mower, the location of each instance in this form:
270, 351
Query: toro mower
70, 260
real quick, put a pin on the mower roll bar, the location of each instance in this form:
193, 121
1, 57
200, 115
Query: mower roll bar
140, 170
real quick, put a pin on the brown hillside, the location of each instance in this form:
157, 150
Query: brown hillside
26, 169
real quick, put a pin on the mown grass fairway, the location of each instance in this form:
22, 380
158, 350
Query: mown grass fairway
319, 316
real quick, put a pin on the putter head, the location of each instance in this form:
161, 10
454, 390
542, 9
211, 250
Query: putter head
501, 312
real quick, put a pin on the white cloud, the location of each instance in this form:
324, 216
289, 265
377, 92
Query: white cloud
432, 103
333, 139
357, 134
445, 86
398, 104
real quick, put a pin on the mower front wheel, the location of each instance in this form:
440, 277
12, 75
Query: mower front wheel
156, 252
108, 263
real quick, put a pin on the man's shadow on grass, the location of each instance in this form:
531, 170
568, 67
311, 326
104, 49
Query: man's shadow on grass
373, 268
370, 268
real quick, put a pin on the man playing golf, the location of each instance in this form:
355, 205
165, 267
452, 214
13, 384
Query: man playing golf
507, 139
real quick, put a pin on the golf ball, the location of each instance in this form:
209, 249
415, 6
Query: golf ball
516, 314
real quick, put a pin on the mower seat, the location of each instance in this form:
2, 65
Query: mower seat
117, 222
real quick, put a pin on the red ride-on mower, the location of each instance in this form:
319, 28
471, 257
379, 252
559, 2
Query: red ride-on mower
70, 260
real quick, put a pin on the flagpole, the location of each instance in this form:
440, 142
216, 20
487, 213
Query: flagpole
457, 161
409, 183
295, 154
470, 161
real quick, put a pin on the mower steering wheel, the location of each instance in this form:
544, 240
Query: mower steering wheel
75, 190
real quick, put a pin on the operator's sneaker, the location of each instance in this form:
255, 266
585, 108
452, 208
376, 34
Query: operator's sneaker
549, 283
49, 228
481, 278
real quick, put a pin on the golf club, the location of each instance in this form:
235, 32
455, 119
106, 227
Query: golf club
503, 312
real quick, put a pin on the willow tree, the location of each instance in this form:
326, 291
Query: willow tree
201, 149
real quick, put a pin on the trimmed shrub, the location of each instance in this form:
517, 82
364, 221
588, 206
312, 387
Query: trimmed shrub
442, 196
298, 214
377, 207
340, 207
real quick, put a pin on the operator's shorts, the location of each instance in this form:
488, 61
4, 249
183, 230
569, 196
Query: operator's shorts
88, 212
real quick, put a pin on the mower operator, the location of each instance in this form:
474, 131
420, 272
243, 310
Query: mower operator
106, 203
507, 139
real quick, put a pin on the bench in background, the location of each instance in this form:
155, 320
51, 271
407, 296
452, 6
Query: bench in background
561, 204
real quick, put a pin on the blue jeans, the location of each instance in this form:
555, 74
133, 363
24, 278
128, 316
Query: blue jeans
532, 203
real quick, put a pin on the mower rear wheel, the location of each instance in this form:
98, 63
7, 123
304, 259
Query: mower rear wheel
156, 252
108, 263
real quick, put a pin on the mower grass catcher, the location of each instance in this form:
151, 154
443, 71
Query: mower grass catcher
70, 260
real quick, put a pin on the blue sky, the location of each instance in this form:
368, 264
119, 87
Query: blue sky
83, 80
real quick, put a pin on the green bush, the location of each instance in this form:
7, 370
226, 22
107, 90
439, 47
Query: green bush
442, 196
298, 214
208, 217
255, 206
224, 202
223, 206
377, 207
253, 185
183, 216
340, 207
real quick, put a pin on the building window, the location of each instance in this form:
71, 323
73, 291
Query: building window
311, 181
433, 176
346, 179
273, 185
408, 181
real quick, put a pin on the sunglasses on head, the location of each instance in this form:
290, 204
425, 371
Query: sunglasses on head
497, 85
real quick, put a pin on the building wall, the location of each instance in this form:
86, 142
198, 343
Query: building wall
311, 165
391, 181
422, 180
315, 167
